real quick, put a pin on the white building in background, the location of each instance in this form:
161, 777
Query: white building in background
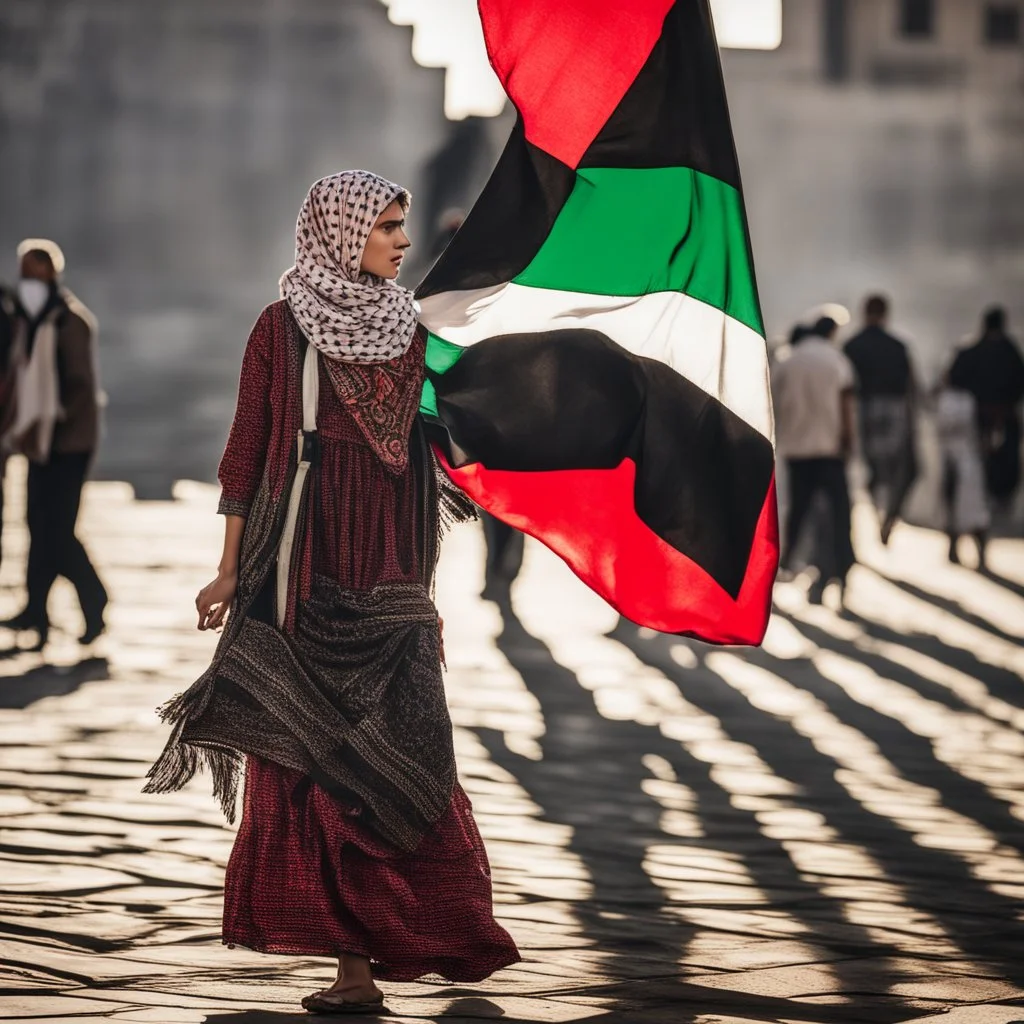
448, 34
882, 146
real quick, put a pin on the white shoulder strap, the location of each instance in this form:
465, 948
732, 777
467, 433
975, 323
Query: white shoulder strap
310, 394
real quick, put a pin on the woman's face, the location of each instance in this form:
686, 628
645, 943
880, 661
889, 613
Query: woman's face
387, 243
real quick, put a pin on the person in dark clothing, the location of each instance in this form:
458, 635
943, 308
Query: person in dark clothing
505, 546
992, 370
56, 426
8, 305
886, 394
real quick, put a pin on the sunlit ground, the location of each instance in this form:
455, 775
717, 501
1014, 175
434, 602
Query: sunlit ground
831, 822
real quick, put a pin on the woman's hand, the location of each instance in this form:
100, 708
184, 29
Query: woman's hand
215, 599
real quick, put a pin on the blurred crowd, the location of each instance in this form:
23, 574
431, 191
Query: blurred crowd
863, 398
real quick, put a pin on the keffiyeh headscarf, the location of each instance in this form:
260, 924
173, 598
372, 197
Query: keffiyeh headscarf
350, 316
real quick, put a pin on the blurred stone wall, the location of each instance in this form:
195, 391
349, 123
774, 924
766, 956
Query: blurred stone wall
907, 176
167, 146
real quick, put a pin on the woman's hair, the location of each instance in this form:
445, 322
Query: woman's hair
41, 256
995, 319
825, 327
876, 307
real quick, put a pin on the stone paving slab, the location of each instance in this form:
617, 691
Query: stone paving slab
825, 830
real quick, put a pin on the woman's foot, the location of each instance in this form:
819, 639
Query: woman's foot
353, 991
327, 1002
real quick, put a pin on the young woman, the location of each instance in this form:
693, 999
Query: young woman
356, 840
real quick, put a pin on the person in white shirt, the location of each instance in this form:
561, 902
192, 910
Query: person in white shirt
813, 392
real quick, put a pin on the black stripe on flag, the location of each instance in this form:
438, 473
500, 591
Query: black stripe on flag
509, 222
573, 399
675, 113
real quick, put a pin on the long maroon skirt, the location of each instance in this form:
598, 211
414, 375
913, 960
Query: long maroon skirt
307, 877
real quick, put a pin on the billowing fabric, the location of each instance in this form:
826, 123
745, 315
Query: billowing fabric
307, 877
348, 315
597, 367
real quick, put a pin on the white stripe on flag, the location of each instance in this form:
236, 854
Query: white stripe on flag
720, 355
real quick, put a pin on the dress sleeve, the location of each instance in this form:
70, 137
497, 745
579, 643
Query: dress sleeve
245, 454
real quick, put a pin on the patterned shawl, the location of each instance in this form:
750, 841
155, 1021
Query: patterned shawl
352, 695
350, 316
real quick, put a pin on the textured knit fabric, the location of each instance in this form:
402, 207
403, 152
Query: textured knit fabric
350, 689
347, 314
306, 877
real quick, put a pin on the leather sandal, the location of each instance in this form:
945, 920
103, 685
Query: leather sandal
327, 1003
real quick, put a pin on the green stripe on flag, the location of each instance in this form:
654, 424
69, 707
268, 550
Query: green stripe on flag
633, 231
441, 356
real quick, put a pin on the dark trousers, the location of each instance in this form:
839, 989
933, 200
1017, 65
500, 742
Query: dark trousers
54, 496
504, 554
890, 482
3, 473
807, 479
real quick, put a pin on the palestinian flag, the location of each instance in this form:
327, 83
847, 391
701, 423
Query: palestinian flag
596, 365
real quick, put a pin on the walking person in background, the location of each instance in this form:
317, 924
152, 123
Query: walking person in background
505, 546
963, 472
992, 370
357, 841
8, 308
55, 426
814, 414
886, 393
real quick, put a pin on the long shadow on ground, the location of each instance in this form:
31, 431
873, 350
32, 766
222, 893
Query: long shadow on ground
591, 778
18, 692
983, 923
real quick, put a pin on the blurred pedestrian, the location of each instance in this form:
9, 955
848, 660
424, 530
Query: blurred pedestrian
886, 394
814, 414
963, 472
326, 683
56, 426
8, 308
992, 370
448, 225
505, 545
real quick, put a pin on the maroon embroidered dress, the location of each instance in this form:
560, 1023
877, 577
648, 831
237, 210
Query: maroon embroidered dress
307, 876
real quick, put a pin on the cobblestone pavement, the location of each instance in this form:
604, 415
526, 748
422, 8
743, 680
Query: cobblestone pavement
826, 830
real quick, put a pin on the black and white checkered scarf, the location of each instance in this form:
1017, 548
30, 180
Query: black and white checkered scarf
349, 315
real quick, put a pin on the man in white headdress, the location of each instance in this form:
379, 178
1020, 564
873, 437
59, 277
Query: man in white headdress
54, 423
